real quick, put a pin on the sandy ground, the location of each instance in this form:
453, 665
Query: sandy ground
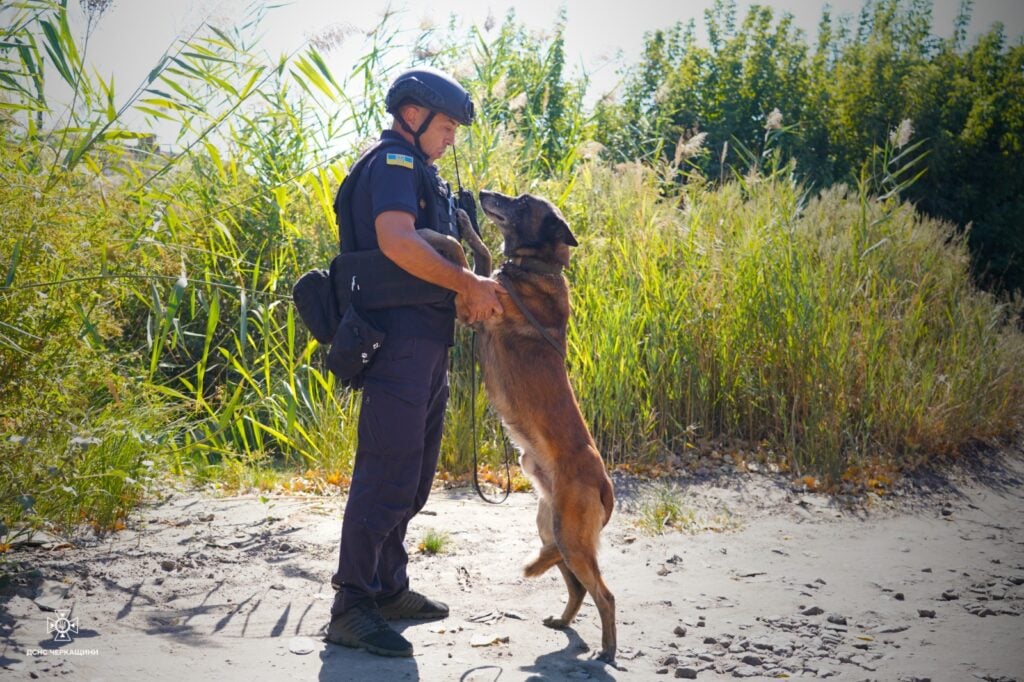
926, 585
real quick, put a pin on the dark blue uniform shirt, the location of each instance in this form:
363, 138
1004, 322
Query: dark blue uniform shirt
389, 182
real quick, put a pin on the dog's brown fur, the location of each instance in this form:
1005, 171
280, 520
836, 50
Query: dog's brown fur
450, 248
527, 383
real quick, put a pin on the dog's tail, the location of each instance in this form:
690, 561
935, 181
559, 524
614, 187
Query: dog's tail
548, 557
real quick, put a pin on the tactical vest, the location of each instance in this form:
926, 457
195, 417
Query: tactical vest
366, 276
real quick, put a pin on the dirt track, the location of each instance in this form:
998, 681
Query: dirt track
201, 588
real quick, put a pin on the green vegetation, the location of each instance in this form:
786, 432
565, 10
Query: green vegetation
840, 99
661, 510
433, 542
832, 326
146, 329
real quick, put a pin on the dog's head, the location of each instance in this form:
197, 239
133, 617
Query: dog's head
531, 226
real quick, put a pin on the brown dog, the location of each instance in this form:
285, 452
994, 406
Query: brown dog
526, 380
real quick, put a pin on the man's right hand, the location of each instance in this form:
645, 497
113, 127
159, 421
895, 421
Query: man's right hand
478, 300
398, 239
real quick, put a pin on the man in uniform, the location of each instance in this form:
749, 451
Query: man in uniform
405, 390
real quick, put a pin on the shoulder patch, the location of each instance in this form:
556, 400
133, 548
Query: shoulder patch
399, 160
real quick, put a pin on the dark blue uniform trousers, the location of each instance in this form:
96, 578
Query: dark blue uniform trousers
400, 424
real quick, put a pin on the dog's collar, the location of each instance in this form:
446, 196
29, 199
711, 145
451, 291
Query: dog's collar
535, 265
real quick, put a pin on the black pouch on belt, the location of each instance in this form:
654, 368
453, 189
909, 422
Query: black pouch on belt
317, 304
353, 348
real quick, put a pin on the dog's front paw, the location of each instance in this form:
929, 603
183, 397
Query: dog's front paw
556, 623
606, 656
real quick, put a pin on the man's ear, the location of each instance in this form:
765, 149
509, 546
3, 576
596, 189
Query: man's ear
411, 114
555, 228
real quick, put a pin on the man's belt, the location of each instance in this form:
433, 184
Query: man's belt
371, 281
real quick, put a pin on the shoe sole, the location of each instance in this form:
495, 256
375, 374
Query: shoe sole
418, 616
370, 648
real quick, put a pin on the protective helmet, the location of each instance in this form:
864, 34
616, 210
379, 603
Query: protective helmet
432, 89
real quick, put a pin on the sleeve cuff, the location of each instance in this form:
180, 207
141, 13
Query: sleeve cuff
404, 208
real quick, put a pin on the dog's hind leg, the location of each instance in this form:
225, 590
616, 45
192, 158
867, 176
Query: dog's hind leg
550, 556
579, 550
588, 574
572, 606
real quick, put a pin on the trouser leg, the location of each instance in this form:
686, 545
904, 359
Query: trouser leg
393, 556
399, 437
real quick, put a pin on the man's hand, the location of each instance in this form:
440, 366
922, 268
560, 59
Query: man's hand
397, 237
479, 301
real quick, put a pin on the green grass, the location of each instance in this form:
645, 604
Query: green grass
434, 542
661, 510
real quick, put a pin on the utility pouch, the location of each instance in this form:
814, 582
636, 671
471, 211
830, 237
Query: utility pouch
380, 282
317, 304
353, 348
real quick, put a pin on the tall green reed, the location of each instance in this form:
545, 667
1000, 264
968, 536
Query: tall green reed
834, 328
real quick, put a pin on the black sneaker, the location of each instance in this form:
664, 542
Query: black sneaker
362, 627
409, 604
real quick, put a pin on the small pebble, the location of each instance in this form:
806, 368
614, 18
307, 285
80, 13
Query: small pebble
301, 645
746, 671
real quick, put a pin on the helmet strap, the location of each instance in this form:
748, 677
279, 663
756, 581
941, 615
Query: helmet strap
417, 133
458, 179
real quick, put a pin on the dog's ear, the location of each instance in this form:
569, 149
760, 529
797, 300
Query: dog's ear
555, 228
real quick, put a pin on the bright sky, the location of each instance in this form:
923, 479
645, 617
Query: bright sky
601, 35
133, 33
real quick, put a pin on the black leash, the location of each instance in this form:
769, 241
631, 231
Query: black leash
472, 371
472, 366
504, 440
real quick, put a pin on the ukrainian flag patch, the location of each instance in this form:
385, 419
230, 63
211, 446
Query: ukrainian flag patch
399, 160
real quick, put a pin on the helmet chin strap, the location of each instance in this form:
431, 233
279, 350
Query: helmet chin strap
417, 133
